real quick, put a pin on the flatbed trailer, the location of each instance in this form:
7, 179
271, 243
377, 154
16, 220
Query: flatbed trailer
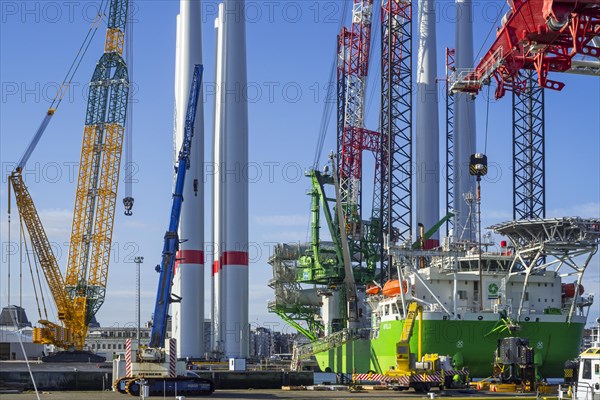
419, 381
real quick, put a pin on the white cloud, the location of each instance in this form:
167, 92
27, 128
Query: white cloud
57, 222
585, 210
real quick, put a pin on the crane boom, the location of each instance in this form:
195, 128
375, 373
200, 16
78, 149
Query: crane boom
540, 35
81, 293
353, 69
93, 215
53, 333
171, 242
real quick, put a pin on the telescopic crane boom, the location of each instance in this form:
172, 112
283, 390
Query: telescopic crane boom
171, 242
156, 364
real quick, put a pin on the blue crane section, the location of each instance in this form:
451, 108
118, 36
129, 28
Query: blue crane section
171, 243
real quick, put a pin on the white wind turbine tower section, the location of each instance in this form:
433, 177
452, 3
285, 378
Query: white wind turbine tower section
465, 136
188, 315
427, 128
233, 185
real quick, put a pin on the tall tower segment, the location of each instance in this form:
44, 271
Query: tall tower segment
217, 292
353, 67
188, 315
464, 128
233, 224
396, 121
450, 54
529, 179
427, 129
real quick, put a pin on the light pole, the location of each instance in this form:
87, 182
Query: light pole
138, 262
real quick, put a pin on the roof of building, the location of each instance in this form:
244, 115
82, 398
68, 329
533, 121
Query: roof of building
18, 315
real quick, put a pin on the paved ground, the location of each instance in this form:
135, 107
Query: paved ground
244, 395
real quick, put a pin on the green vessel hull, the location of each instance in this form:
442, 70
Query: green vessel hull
470, 343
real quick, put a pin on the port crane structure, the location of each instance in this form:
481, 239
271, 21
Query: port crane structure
536, 38
539, 35
357, 254
80, 293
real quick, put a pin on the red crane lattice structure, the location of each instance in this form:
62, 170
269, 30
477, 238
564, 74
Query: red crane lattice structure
354, 46
540, 35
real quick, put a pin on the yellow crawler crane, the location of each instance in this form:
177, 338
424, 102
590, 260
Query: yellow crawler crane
81, 293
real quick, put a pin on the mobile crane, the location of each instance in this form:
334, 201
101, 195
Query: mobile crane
80, 293
155, 366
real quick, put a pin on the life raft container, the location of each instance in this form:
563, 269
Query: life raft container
392, 288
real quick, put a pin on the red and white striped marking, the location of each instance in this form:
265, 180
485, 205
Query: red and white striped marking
128, 357
370, 377
188, 257
432, 377
172, 357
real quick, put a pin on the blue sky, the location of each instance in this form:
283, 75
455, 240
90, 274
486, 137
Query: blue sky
290, 50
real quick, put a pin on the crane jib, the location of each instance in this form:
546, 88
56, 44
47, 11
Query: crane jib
81, 293
171, 240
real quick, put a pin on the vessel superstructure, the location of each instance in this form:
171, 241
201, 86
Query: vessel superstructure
535, 283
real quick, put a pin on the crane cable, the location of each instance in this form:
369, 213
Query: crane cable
487, 120
377, 77
63, 89
487, 115
79, 56
129, 167
33, 283
500, 14
330, 98
329, 101
61, 92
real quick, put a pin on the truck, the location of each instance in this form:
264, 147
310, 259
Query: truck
155, 369
417, 371
585, 384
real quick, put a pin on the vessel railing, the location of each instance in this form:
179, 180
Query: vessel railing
332, 341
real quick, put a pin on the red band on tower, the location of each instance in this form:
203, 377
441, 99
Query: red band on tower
188, 257
234, 258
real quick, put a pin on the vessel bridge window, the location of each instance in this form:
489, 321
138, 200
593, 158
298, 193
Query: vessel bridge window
472, 264
586, 372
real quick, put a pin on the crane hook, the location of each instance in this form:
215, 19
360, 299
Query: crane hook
128, 203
